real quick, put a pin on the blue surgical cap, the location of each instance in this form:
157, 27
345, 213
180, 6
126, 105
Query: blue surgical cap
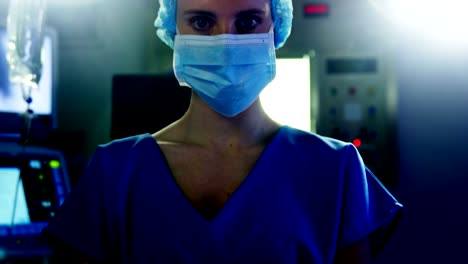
282, 13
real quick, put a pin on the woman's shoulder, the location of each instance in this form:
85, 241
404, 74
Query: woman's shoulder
121, 151
308, 140
126, 144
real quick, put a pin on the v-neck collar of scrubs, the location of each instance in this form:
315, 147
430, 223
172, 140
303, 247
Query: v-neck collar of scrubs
247, 185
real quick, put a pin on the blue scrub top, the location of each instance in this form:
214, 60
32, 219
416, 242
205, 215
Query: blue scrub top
306, 197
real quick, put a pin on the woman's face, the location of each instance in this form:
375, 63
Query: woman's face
214, 17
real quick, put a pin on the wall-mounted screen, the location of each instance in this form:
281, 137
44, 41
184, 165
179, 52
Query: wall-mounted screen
11, 99
12, 104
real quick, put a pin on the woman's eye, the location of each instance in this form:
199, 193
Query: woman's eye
247, 24
201, 23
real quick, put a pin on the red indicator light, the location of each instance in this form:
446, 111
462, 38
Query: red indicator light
316, 9
357, 142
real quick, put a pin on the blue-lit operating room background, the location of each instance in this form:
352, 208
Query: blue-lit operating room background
101, 38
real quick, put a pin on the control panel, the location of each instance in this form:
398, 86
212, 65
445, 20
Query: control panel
356, 101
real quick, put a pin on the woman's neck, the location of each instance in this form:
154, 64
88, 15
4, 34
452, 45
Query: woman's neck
201, 125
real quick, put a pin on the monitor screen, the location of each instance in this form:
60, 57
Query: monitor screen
12, 198
12, 104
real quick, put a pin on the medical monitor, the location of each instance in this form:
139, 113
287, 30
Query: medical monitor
33, 185
12, 104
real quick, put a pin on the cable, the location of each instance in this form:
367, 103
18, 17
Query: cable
15, 201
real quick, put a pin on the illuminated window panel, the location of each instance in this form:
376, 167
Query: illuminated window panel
287, 99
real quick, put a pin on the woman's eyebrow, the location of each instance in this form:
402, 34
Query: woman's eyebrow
253, 11
199, 13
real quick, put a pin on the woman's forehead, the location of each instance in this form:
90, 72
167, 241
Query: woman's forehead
223, 6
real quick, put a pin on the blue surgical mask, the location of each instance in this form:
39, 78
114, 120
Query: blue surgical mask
227, 71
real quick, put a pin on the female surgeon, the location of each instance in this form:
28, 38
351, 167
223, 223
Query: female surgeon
225, 183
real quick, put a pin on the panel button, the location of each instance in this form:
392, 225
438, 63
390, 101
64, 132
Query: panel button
352, 90
372, 110
357, 142
353, 112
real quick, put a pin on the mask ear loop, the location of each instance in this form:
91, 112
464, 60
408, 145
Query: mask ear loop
272, 28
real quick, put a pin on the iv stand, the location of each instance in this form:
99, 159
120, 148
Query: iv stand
24, 26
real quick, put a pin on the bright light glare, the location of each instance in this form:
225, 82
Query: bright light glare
443, 21
287, 99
